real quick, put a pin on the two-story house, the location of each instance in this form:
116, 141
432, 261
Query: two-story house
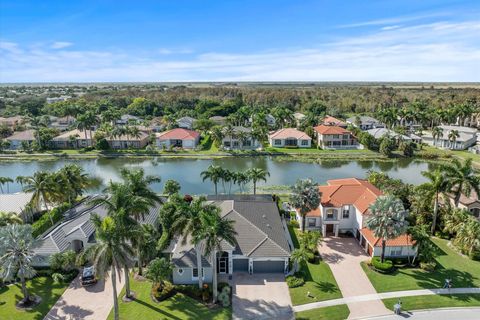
333, 137
344, 208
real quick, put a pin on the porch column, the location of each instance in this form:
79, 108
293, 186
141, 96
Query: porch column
250, 265
286, 266
336, 230
324, 230
230, 262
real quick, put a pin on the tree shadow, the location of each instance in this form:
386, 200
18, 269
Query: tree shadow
256, 309
326, 286
160, 311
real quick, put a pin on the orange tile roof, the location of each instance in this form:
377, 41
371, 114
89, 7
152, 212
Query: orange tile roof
179, 134
329, 120
289, 133
323, 129
313, 213
401, 241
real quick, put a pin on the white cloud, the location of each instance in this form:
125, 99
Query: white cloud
61, 45
441, 51
396, 20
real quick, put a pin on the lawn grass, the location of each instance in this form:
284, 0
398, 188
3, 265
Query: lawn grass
437, 301
40, 286
319, 280
314, 150
463, 272
339, 312
176, 307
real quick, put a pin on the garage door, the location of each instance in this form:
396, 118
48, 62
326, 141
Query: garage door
240, 265
268, 266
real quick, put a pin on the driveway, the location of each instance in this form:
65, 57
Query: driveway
89, 303
344, 255
261, 296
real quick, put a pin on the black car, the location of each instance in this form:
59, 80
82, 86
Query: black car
88, 276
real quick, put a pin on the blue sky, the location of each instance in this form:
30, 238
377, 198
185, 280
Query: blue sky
388, 40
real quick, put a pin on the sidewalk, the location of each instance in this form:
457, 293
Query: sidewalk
435, 314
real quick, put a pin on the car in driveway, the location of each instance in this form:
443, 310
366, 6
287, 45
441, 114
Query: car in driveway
89, 276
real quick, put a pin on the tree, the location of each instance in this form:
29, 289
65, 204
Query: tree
16, 256
74, 181
42, 187
255, 175
214, 174
305, 197
158, 271
387, 220
145, 245
311, 240
462, 178
7, 218
437, 132
421, 241
387, 146
213, 231
437, 185
468, 236
171, 187
110, 253
301, 255
139, 185
452, 138
5, 180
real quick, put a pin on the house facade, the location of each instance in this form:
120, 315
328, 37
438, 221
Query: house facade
365, 122
379, 133
344, 208
289, 137
16, 139
333, 137
241, 140
186, 123
128, 141
73, 139
467, 138
262, 242
470, 203
178, 138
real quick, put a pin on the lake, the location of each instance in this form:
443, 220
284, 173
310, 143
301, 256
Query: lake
187, 171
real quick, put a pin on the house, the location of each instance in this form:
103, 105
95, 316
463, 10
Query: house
17, 203
186, 122
62, 123
262, 242
76, 231
268, 118
332, 121
12, 122
344, 208
365, 122
379, 133
127, 119
126, 141
299, 117
16, 140
73, 139
241, 140
467, 138
333, 137
471, 203
289, 137
178, 138
219, 120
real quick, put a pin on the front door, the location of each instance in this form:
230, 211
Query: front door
329, 228
223, 263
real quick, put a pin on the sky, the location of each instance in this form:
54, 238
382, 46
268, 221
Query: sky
226, 40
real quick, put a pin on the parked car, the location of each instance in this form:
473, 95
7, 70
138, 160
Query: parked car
88, 276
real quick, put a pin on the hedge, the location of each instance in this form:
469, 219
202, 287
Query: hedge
386, 266
295, 281
42, 224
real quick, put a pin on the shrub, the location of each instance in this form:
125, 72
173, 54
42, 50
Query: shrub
102, 144
428, 266
161, 293
294, 223
295, 281
44, 223
224, 296
386, 266
193, 291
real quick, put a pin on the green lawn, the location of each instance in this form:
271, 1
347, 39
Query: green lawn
40, 286
340, 312
319, 280
314, 150
430, 302
178, 307
463, 271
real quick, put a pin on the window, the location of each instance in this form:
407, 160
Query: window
346, 212
396, 251
226, 144
336, 136
180, 271
277, 142
331, 214
235, 143
247, 143
475, 212
194, 273
304, 142
311, 222
345, 136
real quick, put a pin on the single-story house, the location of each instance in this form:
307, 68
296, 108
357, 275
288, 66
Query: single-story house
344, 208
379, 133
289, 137
12, 122
126, 141
62, 123
365, 122
333, 137
178, 138
186, 122
19, 137
262, 242
241, 140
332, 121
467, 138
73, 139
76, 231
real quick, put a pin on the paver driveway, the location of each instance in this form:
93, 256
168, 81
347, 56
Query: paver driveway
344, 255
89, 303
261, 296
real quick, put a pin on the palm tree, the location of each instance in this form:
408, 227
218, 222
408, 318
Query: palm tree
437, 132
437, 185
16, 256
7, 218
110, 253
145, 244
229, 131
421, 241
212, 231
462, 178
257, 174
301, 255
74, 181
139, 185
452, 138
387, 220
241, 178
217, 135
42, 187
5, 180
214, 174
305, 197
468, 235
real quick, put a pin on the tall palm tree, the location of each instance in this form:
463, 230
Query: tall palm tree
468, 235
437, 185
74, 181
437, 132
16, 256
5, 180
213, 230
305, 197
229, 132
257, 174
110, 253
301, 255
452, 138
145, 244
387, 220
7, 218
42, 187
139, 185
462, 178
214, 174
217, 135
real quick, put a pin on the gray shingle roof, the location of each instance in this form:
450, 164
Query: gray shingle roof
15, 202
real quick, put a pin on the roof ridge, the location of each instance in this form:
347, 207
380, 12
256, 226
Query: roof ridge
271, 240
258, 245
